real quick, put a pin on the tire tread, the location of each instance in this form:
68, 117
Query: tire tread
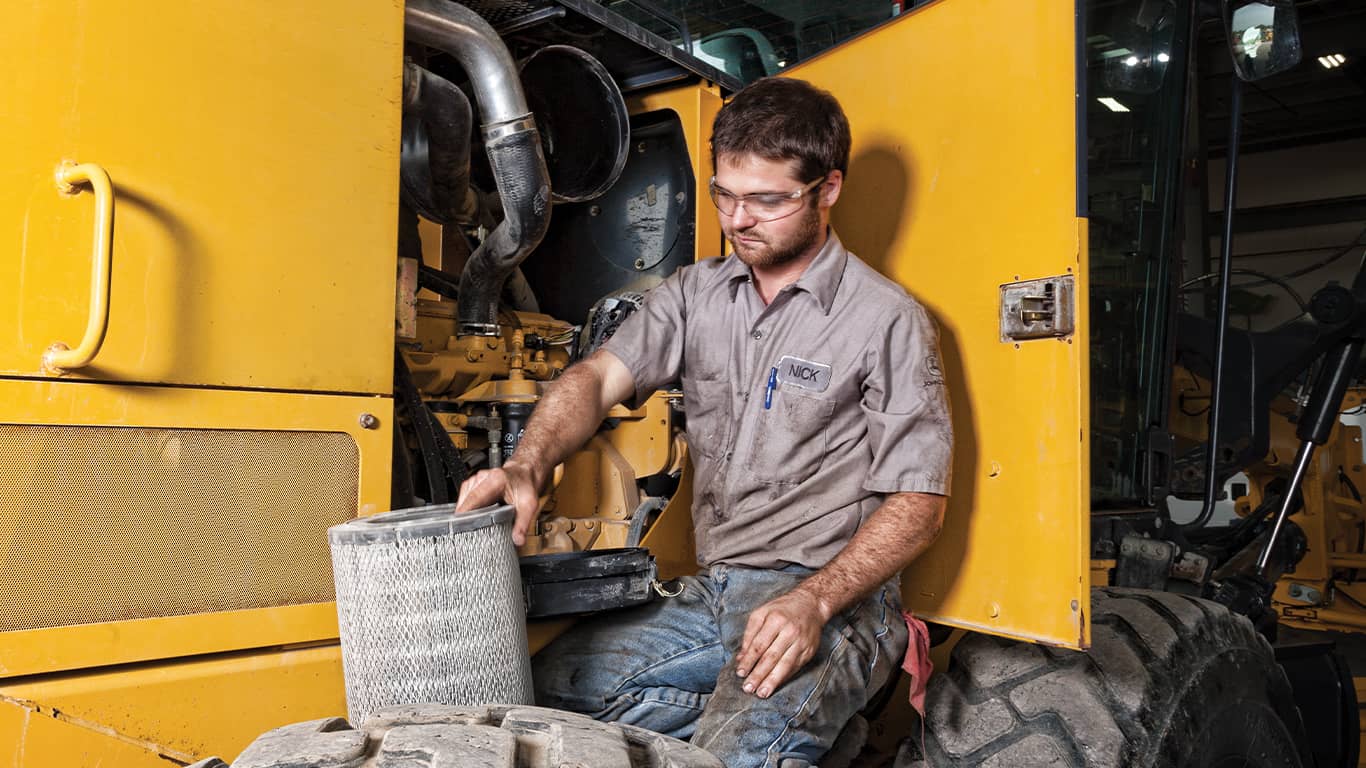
441, 736
1114, 707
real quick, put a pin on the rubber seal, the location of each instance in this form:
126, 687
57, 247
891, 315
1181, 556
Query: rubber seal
427, 522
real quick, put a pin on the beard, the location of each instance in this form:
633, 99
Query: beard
775, 253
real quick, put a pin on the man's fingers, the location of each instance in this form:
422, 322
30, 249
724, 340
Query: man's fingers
792, 660
762, 628
506, 484
744, 659
780, 644
479, 491
522, 496
522, 522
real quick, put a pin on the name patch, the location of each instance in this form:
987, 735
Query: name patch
803, 374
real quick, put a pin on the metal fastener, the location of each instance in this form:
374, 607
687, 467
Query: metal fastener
369, 421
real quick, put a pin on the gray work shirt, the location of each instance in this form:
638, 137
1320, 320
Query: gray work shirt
800, 414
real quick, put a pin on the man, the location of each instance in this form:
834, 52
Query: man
818, 424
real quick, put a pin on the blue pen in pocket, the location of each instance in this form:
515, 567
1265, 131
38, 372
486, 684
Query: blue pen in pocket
772, 385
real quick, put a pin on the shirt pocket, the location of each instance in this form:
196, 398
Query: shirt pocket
706, 404
790, 438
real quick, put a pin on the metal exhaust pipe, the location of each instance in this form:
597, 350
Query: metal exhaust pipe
513, 145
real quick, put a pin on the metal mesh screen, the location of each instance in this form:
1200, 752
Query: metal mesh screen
433, 619
104, 524
500, 12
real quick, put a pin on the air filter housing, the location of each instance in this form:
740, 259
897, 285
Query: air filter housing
430, 609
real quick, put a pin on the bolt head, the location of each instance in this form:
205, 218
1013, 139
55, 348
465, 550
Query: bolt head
369, 421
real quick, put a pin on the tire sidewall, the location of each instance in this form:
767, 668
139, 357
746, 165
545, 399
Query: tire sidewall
1232, 710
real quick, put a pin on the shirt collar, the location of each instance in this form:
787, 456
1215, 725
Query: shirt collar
821, 279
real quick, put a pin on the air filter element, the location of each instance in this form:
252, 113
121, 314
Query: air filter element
430, 609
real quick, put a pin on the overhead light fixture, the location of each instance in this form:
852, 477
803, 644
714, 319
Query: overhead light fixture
1132, 61
1332, 60
1163, 58
1114, 105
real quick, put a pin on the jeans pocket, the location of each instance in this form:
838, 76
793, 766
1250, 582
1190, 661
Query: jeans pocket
876, 632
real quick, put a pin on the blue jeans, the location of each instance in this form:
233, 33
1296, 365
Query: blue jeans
669, 666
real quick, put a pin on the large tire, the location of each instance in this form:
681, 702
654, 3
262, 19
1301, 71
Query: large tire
437, 736
1170, 682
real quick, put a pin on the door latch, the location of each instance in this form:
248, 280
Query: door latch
1038, 309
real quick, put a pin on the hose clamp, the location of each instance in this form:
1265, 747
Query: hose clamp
495, 131
480, 329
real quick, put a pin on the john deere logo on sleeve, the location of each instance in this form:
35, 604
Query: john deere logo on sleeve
805, 374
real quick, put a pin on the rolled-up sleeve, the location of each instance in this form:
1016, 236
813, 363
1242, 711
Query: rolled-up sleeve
650, 342
905, 401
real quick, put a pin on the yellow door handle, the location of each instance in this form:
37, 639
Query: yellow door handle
71, 177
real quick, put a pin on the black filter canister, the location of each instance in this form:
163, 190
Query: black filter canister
515, 417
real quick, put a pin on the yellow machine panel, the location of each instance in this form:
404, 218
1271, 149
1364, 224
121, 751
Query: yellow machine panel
153, 522
955, 196
253, 153
170, 714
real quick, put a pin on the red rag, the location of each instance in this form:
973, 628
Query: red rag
919, 667
917, 663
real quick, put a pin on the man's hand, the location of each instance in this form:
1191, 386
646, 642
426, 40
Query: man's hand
784, 633
514, 483
780, 638
566, 416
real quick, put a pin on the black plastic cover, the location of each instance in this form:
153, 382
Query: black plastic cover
566, 583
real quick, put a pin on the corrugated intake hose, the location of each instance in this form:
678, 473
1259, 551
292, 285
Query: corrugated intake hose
434, 166
524, 186
514, 149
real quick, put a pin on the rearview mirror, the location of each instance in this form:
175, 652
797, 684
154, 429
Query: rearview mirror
1263, 36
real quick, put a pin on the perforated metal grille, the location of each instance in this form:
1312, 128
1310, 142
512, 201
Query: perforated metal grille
103, 524
500, 12
438, 619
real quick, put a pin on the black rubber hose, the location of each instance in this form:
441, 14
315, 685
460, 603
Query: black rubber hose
420, 418
434, 165
524, 186
439, 282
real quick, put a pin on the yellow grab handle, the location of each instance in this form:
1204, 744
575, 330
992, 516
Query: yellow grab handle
70, 177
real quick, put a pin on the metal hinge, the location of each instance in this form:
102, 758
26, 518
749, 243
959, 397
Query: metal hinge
1038, 309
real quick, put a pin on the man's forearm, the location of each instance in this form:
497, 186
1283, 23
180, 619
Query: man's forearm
564, 419
896, 533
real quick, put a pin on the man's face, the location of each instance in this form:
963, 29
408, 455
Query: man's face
768, 243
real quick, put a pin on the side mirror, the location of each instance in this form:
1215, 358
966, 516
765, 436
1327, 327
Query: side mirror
1263, 36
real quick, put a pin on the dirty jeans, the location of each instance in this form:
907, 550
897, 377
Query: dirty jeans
669, 666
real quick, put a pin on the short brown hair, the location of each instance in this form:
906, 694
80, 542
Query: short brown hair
782, 118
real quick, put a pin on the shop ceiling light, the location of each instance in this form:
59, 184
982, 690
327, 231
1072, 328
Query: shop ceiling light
1332, 60
1114, 105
